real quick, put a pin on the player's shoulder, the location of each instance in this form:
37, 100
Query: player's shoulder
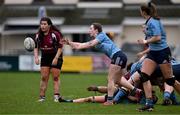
56, 33
154, 21
101, 35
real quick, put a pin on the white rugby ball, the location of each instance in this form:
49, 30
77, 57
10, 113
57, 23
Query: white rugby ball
29, 44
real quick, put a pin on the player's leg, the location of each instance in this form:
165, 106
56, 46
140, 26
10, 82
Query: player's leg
98, 99
121, 93
100, 89
123, 82
56, 83
166, 69
82, 100
133, 90
56, 69
114, 71
167, 94
44, 82
174, 99
131, 85
177, 86
134, 79
147, 69
118, 63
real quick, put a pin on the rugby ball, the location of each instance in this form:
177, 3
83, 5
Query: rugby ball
29, 44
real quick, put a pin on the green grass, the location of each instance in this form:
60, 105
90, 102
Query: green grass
19, 93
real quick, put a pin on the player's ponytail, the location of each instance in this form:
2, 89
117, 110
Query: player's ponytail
153, 10
150, 10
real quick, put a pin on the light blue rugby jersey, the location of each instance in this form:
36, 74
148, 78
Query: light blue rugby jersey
153, 28
106, 45
137, 66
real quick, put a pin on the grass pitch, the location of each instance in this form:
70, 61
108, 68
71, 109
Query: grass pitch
19, 94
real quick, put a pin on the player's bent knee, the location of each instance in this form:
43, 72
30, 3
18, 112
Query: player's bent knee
144, 77
170, 81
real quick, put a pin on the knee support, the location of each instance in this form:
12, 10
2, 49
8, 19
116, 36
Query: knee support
170, 81
144, 77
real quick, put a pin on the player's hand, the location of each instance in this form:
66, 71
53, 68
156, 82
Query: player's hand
68, 42
142, 41
140, 54
74, 46
55, 61
36, 60
65, 41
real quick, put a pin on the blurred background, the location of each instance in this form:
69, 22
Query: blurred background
120, 18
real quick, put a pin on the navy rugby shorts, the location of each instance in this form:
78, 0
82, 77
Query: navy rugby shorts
160, 57
120, 59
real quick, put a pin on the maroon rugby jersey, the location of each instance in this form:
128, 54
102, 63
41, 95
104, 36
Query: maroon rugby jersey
50, 43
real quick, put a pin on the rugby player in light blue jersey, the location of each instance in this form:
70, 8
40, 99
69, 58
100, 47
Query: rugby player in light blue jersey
158, 53
118, 59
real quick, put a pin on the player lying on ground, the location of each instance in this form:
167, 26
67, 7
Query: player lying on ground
138, 98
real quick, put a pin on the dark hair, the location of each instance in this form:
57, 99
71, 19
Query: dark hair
97, 26
49, 22
47, 19
128, 68
150, 10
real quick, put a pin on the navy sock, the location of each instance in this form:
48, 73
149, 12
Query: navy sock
65, 100
109, 98
133, 91
69, 100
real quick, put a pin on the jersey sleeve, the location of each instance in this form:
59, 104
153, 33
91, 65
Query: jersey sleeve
100, 38
155, 27
59, 37
36, 40
135, 67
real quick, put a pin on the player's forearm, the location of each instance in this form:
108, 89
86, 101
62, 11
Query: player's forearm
153, 39
84, 45
35, 52
59, 52
146, 51
77, 45
74, 44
